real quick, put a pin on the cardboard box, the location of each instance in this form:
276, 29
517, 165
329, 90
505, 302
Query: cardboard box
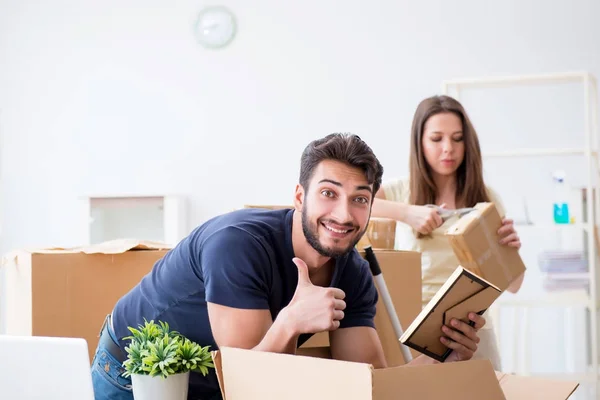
68, 292
380, 234
538, 388
402, 273
248, 375
474, 239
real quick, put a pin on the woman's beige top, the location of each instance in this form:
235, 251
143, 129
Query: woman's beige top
437, 257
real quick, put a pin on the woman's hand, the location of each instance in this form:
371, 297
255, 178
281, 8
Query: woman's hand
508, 234
423, 219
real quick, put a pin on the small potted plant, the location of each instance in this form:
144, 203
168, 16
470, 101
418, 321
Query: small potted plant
159, 362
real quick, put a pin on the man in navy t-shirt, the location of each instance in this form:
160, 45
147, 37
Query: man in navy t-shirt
268, 280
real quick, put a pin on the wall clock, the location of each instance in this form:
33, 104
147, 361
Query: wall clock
215, 27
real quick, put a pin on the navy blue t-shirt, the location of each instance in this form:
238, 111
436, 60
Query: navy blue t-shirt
242, 259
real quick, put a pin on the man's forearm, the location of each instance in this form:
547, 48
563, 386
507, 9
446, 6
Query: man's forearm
280, 338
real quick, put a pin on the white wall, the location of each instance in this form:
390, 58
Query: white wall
116, 97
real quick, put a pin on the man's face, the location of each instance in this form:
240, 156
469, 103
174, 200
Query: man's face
335, 208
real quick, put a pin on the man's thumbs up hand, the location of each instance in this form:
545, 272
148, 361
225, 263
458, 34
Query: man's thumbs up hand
313, 308
303, 276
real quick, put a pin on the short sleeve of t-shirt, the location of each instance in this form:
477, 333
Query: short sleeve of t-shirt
396, 190
361, 296
236, 270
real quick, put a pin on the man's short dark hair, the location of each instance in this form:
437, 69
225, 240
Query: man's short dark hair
344, 147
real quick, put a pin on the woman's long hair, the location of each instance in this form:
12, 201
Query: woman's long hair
470, 188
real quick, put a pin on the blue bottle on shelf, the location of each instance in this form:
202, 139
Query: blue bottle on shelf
561, 199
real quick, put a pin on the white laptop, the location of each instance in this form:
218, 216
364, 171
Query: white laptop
48, 368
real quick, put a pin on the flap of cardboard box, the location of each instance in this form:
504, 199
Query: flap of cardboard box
121, 246
524, 387
249, 374
110, 247
470, 380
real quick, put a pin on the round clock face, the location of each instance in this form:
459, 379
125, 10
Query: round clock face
215, 27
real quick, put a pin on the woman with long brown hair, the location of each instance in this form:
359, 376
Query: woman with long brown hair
445, 170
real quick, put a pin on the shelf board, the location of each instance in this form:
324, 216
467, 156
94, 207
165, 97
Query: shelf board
520, 79
581, 377
551, 226
565, 276
538, 152
559, 298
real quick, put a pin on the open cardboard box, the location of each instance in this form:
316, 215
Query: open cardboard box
402, 273
67, 292
254, 375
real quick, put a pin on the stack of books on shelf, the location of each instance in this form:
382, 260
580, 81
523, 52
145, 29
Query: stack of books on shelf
564, 270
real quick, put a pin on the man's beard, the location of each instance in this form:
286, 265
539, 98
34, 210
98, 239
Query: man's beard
312, 237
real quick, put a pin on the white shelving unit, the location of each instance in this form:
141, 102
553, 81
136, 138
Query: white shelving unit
118, 216
589, 150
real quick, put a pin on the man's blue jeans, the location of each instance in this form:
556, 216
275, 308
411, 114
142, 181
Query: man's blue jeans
107, 374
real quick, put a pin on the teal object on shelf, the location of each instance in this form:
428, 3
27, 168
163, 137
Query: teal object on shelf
561, 213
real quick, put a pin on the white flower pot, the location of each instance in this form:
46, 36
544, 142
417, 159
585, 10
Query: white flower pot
173, 387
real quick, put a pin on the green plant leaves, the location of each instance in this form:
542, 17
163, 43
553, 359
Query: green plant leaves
157, 350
